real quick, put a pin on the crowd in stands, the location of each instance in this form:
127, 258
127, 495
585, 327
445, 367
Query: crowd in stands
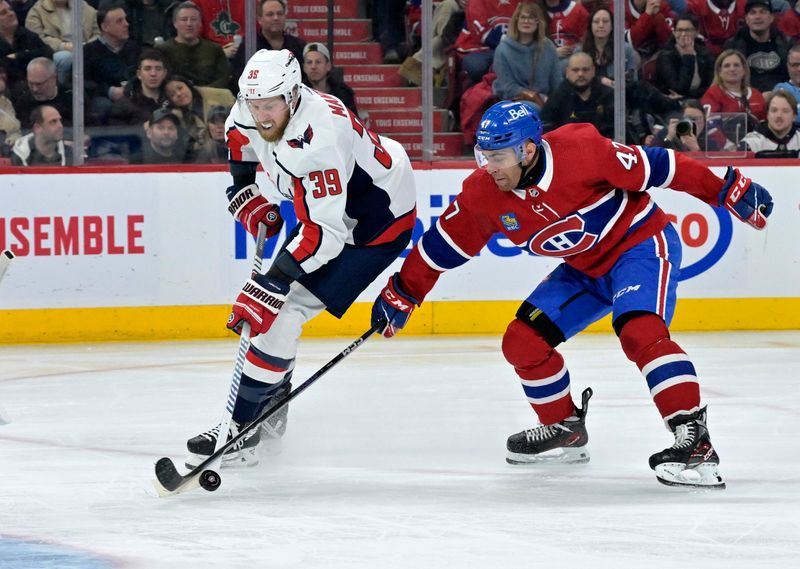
161, 75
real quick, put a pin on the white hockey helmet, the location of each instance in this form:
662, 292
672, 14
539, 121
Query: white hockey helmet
271, 73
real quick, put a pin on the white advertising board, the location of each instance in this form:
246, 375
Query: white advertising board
157, 239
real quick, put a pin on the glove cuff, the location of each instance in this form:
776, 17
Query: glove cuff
241, 198
400, 291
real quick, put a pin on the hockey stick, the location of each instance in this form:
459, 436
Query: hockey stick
241, 352
169, 481
5, 260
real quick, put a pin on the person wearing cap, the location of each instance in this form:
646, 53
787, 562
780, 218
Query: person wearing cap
764, 48
317, 70
272, 23
217, 115
163, 144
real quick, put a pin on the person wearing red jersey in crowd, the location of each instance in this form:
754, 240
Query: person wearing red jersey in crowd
789, 22
485, 22
731, 93
621, 256
718, 20
649, 24
223, 23
568, 23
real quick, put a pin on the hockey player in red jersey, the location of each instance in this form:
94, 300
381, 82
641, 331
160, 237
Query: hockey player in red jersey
354, 197
621, 256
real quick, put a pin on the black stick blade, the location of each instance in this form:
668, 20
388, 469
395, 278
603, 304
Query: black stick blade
167, 475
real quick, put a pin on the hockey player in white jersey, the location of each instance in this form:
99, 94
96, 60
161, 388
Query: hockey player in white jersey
354, 197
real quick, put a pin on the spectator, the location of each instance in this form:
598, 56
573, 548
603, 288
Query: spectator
150, 20
526, 61
568, 23
731, 104
485, 23
223, 23
17, 45
41, 88
685, 67
764, 49
109, 62
793, 84
731, 91
581, 98
272, 20
145, 93
9, 124
444, 11
191, 106
388, 22
189, 55
45, 145
718, 20
317, 71
599, 44
649, 24
789, 22
216, 118
52, 21
691, 135
22, 7
163, 144
778, 134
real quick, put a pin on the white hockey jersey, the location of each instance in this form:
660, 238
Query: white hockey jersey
348, 185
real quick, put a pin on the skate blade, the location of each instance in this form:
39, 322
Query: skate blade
241, 459
570, 455
704, 476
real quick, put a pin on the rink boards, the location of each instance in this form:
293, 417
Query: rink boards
149, 255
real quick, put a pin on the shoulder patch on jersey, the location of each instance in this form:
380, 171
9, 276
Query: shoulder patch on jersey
302, 140
509, 221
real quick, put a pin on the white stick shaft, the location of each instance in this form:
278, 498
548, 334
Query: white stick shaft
5, 260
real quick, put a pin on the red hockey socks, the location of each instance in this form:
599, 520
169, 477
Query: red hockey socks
544, 375
670, 374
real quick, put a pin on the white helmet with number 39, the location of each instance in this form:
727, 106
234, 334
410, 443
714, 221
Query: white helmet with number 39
271, 73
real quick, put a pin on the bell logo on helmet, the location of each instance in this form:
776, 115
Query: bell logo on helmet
518, 113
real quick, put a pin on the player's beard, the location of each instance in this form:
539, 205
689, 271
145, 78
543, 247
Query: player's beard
274, 133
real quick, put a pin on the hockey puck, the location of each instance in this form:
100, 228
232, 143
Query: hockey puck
210, 480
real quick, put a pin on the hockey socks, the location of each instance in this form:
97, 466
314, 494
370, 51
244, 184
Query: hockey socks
670, 375
542, 371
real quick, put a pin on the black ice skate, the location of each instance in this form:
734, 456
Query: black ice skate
242, 453
691, 461
561, 443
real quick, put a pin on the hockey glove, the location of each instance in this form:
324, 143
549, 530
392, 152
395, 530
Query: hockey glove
259, 303
251, 208
392, 308
748, 201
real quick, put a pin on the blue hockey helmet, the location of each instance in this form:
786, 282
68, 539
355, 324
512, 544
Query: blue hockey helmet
507, 124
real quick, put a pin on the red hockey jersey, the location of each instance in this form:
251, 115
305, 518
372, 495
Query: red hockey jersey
480, 18
717, 100
717, 25
569, 26
588, 207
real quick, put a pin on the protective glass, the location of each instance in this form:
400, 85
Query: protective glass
501, 158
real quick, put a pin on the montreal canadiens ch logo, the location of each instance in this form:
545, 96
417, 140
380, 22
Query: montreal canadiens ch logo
564, 238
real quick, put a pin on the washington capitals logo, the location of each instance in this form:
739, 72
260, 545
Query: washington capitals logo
300, 141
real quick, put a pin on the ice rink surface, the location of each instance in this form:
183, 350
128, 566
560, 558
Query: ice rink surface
394, 459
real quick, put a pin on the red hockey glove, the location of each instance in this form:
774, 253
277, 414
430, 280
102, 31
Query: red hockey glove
251, 208
748, 201
392, 308
259, 303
